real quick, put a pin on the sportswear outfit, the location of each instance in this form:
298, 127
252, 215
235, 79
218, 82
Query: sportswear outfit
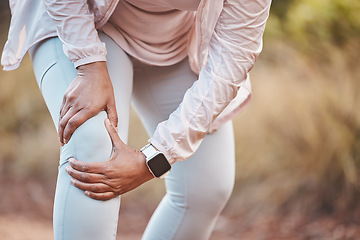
181, 101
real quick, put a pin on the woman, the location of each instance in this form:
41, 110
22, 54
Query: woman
185, 64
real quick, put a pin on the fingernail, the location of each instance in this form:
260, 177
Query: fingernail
87, 193
72, 181
108, 121
67, 169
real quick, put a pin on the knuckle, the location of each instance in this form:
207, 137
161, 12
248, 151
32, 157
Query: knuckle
84, 168
75, 183
62, 123
91, 195
66, 97
72, 123
113, 188
84, 177
116, 119
103, 179
106, 197
90, 109
118, 189
66, 134
108, 170
69, 97
113, 184
94, 188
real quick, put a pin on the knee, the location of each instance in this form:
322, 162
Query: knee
203, 199
90, 141
213, 197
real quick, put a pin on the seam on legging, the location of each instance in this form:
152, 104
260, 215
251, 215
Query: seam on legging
67, 193
56, 60
67, 160
116, 223
42, 77
176, 230
63, 220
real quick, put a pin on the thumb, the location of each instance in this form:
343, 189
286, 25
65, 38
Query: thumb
115, 139
112, 114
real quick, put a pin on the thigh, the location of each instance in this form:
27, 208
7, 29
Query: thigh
75, 215
158, 91
199, 187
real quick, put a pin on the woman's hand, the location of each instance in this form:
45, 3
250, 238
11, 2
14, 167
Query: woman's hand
88, 94
125, 170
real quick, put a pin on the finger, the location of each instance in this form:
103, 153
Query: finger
64, 120
116, 141
74, 122
85, 176
64, 107
112, 113
92, 187
100, 196
89, 167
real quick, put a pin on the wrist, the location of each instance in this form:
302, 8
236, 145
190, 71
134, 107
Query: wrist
92, 67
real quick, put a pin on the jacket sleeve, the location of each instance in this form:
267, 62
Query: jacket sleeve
76, 29
233, 49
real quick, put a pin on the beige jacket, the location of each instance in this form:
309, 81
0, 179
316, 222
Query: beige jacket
224, 44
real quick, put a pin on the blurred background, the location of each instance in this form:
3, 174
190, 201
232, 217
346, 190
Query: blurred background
297, 144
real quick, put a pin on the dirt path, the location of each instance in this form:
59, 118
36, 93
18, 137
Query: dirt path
26, 208
22, 228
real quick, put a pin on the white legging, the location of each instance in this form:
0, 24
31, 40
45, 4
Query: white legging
196, 189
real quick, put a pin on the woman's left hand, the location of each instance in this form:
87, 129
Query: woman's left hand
125, 170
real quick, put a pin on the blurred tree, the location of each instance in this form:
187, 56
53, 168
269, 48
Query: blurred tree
279, 8
332, 21
315, 24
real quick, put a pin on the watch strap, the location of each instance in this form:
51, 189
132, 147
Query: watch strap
149, 151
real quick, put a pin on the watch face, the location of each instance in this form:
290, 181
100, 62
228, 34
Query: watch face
159, 165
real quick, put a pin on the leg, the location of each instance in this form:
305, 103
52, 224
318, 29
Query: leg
75, 215
198, 188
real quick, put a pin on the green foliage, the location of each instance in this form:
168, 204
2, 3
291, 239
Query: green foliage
332, 21
313, 25
302, 146
298, 144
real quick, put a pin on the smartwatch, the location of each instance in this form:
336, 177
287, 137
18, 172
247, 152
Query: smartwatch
155, 161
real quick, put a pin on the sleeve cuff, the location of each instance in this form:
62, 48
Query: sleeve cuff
91, 59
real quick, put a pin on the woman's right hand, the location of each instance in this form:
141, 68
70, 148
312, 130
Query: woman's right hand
88, 94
